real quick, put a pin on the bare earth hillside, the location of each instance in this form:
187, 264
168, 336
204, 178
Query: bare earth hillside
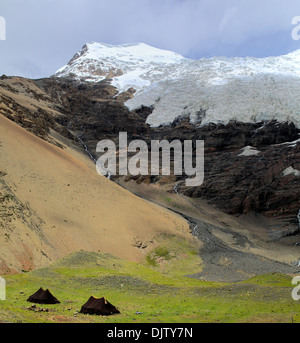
53, 203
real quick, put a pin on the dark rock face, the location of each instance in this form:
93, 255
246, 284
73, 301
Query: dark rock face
235, 184
237, 135
240, 184
93, 112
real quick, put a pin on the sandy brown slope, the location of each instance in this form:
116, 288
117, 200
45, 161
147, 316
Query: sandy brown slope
53, 203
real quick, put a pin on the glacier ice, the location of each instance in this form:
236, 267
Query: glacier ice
217, 89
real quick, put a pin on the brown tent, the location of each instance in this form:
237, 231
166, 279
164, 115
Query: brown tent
43, 297
99, 306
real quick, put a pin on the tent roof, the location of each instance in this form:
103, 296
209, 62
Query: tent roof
42, 296
98, 306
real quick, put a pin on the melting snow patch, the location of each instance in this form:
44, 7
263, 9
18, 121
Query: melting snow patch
291, 170
249, 151
290, 144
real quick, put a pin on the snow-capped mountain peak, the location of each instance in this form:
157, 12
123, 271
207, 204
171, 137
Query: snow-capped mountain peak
216, 89
127, 64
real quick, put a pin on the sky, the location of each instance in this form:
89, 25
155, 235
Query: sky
43, 35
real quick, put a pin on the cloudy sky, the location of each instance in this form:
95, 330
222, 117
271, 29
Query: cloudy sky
43, 35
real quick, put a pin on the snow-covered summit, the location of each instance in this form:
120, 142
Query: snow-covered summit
244, 89
130, 65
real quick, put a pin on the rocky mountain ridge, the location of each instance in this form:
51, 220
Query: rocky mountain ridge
249, 167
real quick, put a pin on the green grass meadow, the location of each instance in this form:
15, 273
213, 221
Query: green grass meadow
147, 292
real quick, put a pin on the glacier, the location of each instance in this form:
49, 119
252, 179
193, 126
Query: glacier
209, 90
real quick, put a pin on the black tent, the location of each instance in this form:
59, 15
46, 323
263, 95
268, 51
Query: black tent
43, 297
99, 306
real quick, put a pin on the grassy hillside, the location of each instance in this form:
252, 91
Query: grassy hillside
147, 293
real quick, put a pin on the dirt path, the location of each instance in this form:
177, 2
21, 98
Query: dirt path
226, 264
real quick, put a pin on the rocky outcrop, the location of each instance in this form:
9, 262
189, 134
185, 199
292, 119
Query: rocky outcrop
240, 184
